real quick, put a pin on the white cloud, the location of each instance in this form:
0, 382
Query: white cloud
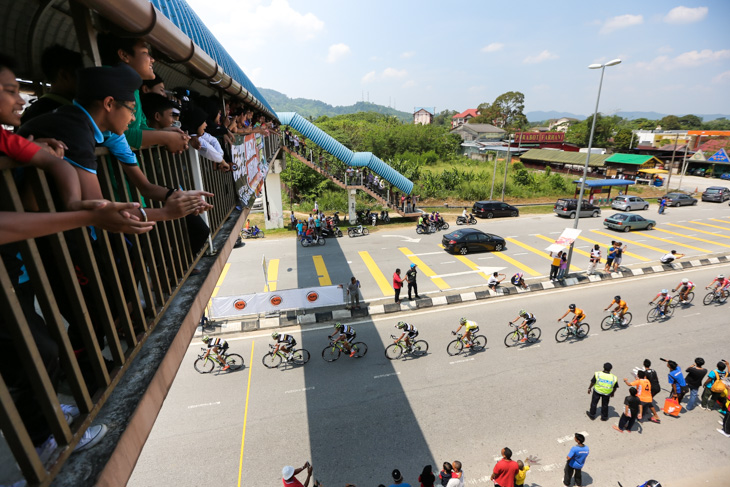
664, 50
685, 15
254, 73
368, 78
493, 47
685, 60
394, 73
337, 52
722, 78
408, 54
543, 56
477, 89
409, 84
621, 22
541, 87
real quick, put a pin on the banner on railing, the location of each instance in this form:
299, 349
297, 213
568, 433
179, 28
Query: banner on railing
248, 304
251, 167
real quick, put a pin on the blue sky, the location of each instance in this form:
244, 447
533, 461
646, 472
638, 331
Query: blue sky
456, 55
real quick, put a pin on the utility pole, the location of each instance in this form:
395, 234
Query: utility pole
671, 165
506, 163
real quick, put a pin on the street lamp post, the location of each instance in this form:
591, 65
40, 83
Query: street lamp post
590, 145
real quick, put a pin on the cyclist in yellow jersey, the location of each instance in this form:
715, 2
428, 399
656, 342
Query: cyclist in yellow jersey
620, 309
470, 327
346, 334
579, 315
218, 346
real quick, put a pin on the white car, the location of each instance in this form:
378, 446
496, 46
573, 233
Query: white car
628, 203
258, 205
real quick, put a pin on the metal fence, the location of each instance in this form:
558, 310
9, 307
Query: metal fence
98, 296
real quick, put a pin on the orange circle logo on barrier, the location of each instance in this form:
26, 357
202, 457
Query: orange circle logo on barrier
275, 300
240, 304
312, 296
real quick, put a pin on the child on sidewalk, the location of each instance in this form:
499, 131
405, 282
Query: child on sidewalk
524, 467
632, 410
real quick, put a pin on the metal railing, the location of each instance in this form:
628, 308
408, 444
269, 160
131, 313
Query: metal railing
99, 296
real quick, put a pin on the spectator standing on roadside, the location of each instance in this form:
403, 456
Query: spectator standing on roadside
652, 377
632, 410
505, 471
289, 479
412, 284
398, 480
457, 475
725, 430
397, 285
620, 249
643, 392
293, 220
555, 266
594, 259
610, 256
604, 385
522, 472
427, 478
563, 266
408, 204
445, 474
676, 381
318, 225
353, 292
576, 461
695, 374
707, 393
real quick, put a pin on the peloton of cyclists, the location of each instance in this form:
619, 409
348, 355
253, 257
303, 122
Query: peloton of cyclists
620, 309
721, 283
470, 328
346, 334
409, 332
579, 316
218, 346
662, 299
686, 286
285, 343
528, 319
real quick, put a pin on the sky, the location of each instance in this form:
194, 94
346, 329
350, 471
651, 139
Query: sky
456, 55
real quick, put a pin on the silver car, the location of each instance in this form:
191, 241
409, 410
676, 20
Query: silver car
628, 203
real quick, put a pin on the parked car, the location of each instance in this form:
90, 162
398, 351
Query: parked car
716, 193
465, 240
680, 199
568, 207
627, 223
628, 203
258, 205
725, 176
490, 209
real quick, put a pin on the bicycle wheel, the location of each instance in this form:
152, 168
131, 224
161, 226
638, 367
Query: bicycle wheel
669, 313
300, 357
393, 351
674, 302
512, 339
654, 315
626, 320
234, 361
479, 343
723, 297
709, 298
583, 330
455, 347
204, 366
420, 348
271, 361
607, 322
690, 297
360, 349
534, 334
330, 353
562, 334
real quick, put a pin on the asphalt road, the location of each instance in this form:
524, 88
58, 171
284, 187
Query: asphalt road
357, 419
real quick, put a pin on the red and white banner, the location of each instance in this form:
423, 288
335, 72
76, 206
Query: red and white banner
248, 304
565, 240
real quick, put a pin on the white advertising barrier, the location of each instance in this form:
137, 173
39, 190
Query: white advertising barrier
566, 239
305, 298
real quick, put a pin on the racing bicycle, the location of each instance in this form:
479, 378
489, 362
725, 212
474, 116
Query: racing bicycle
657, 312
272, 360
716, 295
517, 336
333, 351
205, 365
579, 331
613, 320
395, 350
676, 302
455, 347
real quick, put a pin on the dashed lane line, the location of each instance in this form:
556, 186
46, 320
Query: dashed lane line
322, 274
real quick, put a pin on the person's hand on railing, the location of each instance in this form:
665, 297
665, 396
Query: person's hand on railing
176, 141
114, 217
202, 204
181, 203
53, 146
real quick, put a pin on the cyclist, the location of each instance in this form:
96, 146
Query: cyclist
620, 309
528, 319
346, 336
409, 332
663, 299
470, 328
218, 346
284, 342
686, 286
722, 283
579, 316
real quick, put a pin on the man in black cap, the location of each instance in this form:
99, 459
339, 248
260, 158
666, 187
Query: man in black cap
99, 115
604, 385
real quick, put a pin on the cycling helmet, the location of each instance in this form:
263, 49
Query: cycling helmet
401, 324
462, 321
275, 335
571, 307
685, 281
523, 312
338, 325
665, 291
617, 298
721, 276
206, 339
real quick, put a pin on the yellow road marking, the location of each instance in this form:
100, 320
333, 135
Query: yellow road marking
675, 243
693, 238
324, 276
635, 256
551, 240
721, 221
613, 237
380, 279
273, 274
536, 251
713, 226
701, 231
245, 417
472, 265
517, 264
220, 279
424, 268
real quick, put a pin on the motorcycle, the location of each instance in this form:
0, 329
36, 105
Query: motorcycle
357, 231
384, 216
441, 224
331, 231
426, 228
336, 218
470, 220
313, 239
374, 219
252, 232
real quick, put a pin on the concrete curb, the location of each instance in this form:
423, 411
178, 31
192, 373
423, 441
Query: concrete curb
292, 318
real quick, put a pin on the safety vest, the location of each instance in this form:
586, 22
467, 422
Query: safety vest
604, 383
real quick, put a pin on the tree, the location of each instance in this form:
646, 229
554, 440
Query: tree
505, 112
622, 139
580, 133
670, 122
690, 122
444, 118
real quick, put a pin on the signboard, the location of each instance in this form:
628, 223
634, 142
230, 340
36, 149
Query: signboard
698, 156
719, 156
539, 137
565, 240
251, 168
304, 298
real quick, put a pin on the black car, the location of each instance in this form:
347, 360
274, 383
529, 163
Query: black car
680, 199
465, 240
490, 209
716, 193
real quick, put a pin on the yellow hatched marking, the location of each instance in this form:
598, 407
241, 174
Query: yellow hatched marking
721, 221
380, 279
440, 283
713, 226
273, 274
324, 276
579, 251
675, 243
613, 237
701, 231
507, 259
472, 265
693, 238
635, 256
536, 251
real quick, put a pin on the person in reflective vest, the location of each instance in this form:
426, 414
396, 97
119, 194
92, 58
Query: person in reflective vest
604, 385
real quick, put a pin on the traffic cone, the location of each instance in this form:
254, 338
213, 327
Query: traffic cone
697, 189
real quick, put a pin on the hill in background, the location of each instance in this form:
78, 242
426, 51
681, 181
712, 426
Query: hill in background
540, 116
